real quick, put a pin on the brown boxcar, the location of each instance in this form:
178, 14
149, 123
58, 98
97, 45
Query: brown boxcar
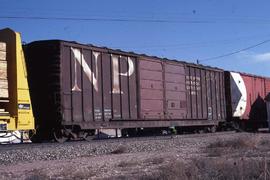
82, 87
245, 99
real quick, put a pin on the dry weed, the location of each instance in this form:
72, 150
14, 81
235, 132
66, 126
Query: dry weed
119, 150
227, 169
228, 147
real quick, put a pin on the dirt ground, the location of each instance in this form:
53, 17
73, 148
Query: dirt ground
230, 156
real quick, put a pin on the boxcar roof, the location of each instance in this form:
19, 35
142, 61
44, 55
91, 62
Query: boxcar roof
248, 74
121, 52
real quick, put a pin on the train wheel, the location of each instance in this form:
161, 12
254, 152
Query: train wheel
213, 129
238, 126
60, 136
34, 137
89, 135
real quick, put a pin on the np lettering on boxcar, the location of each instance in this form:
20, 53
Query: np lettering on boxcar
117, 73
93, 76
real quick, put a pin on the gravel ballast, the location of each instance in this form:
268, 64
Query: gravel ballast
114, 158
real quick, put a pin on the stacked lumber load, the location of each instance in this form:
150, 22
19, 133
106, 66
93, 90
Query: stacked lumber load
3, 112
3, 73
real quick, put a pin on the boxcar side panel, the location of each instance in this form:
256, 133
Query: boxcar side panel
199, 93
116, 87
124, 88
87, 89
151, 89
213, 94
76, 85
175, 93
107, 86
188, 93
267, 85
133, 89
66, 86
205, 94
222, 96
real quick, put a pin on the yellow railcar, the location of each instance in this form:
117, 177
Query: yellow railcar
16, 115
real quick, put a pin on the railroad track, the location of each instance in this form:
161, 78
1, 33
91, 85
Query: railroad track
5, 147
145, 138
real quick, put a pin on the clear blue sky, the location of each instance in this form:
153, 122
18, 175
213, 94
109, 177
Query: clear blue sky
192, 29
